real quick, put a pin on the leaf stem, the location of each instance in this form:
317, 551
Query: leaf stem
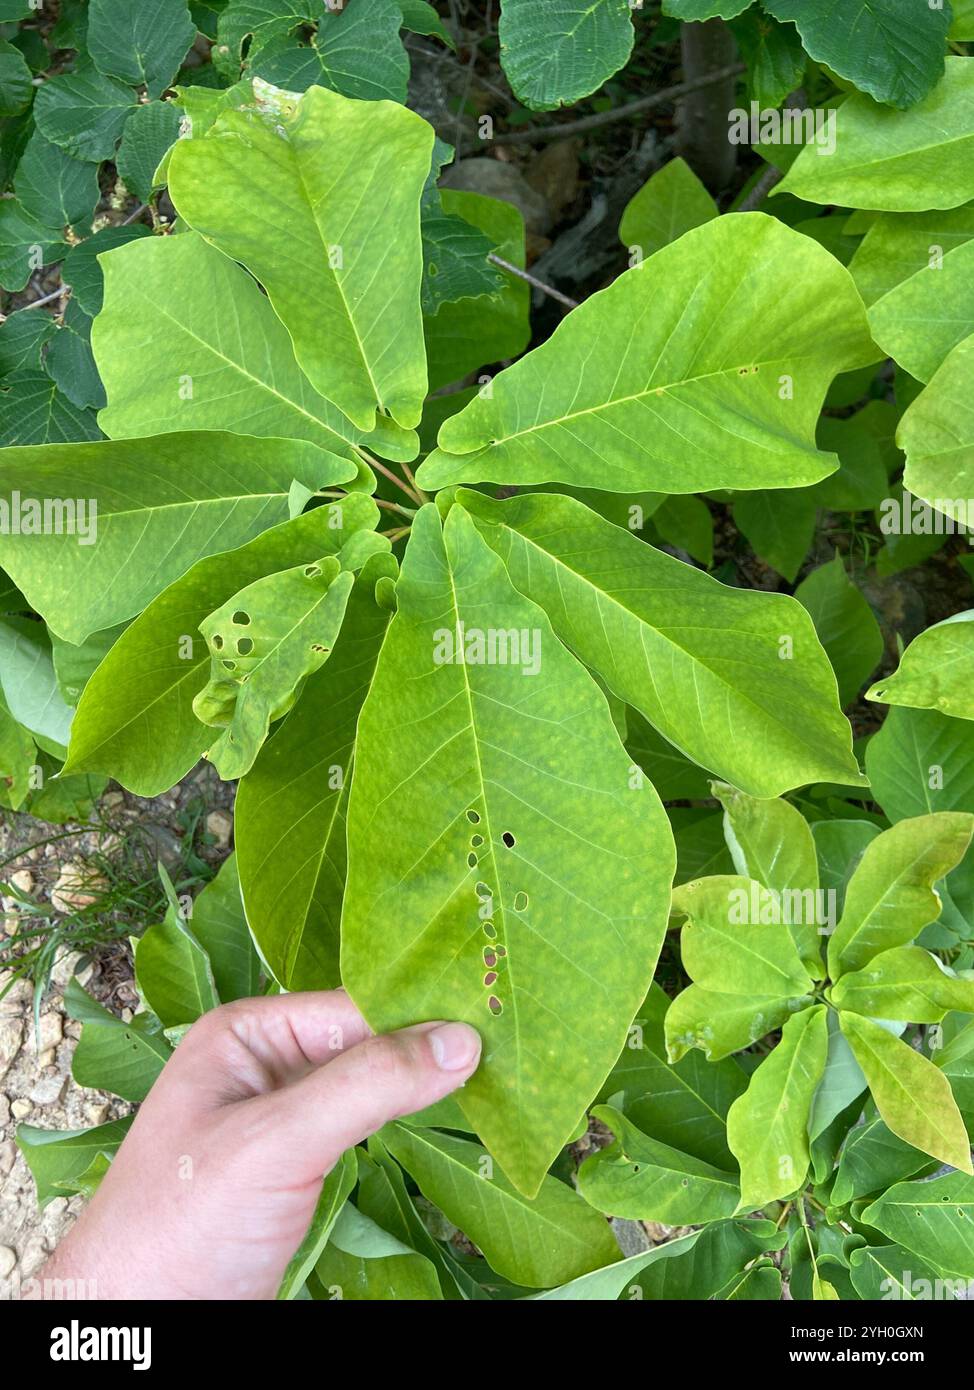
393, 477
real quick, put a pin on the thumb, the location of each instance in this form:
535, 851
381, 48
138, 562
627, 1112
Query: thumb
381, 1079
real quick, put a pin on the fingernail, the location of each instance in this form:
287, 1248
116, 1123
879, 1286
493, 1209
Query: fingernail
455, 1046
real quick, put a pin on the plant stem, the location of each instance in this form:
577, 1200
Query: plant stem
393, 477
538, 284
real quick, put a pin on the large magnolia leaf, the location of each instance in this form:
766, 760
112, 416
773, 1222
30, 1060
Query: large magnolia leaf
900, 245
289, 816
906, 983
487, 901
224, 360
731, 337
536, 1242
942, 1234
219, 925
672, 201
921, 320
340, 258
896, 161
173, 972
936, 671
911, 1094
264, 642
554, 52
872, 1158
767, 1128
892, 49
135, 719
736, 680
937, 433
890, 897
151, 507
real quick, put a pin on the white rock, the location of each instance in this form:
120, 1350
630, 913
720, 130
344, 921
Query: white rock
8, 1155
8, 1258
20, 1108
22, 880
47, 1090
11, 1034
112, 799
78, 886
4, 1110
49, 1032
219, 824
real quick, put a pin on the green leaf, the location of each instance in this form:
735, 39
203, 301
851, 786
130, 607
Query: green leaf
174, 498
83, 112
921, 760
896, 161
672, 201
54, 188
779, 524
673, 775
342, 175
872, 1159
135, 719
220, 926
937, 433
644, 1180
536, 1242
720, 1023
905, 983
264, 642
774, 55
695, 11
686, 522
492, 760
701, 661
760, 1282
125, 1058
890, 897
24, 245
82, 270
363, 1262
931, 1219
767, 1128
173, 971
892, 49
355, 50
684, 1105
911, 1094
892, 1271
463, 336
683, 401
335, 1190
724, 950
215, 366
935, 670
289, 816
57, 1158
16, 86
846, 626
455, 251
22, 335
842, 1083
149, 132
69, 361
17, 759
143, 44
771, 842
900, 245
554, 52
923, 318
33, 411
421, 18
29, 683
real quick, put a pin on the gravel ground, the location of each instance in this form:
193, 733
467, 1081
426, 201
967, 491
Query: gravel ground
36, 1085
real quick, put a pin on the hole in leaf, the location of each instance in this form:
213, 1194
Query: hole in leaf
495, 1005
218, 642
476, 841
490, 957
312, 571
472, 860
241, 618
483, 890
230, 665
502, 950
508, 839
490, 930
317, 647
245, 646
520, 902
473, 817
490, 978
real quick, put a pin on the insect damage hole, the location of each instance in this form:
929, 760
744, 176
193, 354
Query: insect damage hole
245, 645
473, 817
520, 902
495, 1005
218, 642
490, 978
508, 839
241, 618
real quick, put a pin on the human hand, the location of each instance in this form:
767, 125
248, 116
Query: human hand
214, 1187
